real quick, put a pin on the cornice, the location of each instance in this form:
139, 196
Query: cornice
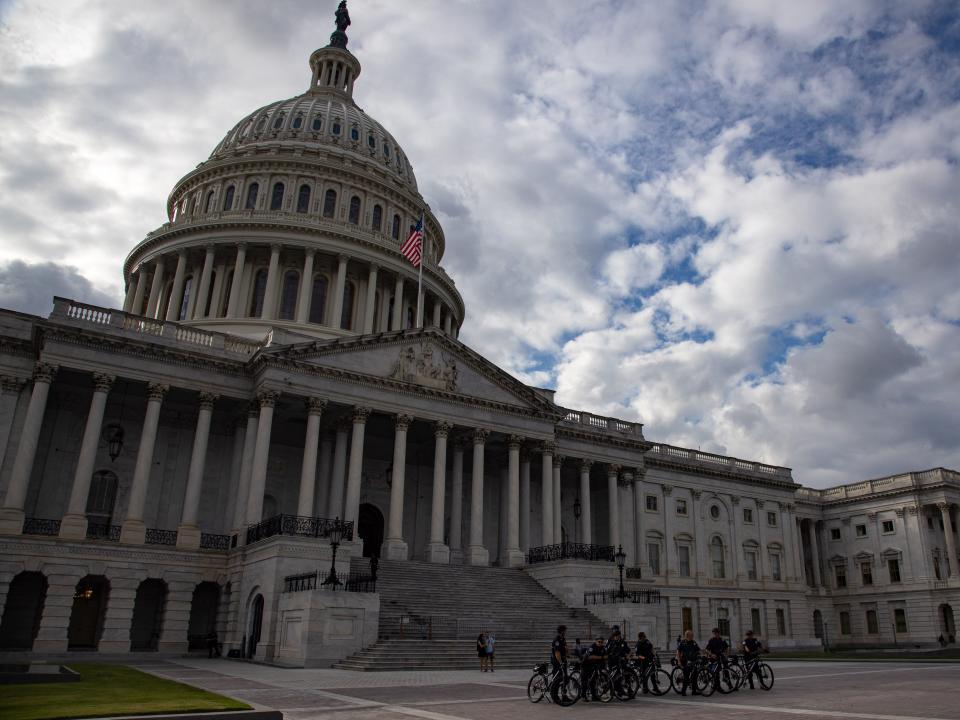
657, 462
563, 431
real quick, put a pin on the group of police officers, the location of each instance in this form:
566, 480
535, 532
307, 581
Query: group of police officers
616, 649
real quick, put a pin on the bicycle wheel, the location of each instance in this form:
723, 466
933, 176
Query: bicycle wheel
728, 680
766, 676
676, 680
537, 687
659, 681
632, 678
601, 688
565, 692
704, 681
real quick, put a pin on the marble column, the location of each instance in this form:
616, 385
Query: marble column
306, 287
176, 293
788, 570
586, 521
74, 522
133, 530
546, 496
669, 543
557, 505
324, 475
700, 537
341, 281
477, 554
156, 288
514, 555
436, 313
613, 507
395, 547
11, 516
456, 504
269, 311
10, 387
763, 562
524, 500
246, 466
261, 456
233, 302
338, 475
397, 323
370, 305
448, 324
437, 550
737, 551
950, 541
636, 490
351, 506
815, 554
203, 290
503, 519
239, 427
188, 533
136, 307
308, 468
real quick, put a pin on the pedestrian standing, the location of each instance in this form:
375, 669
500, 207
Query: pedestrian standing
644, 652
491, 648
482, 651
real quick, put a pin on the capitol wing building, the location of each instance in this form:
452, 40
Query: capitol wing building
218, 462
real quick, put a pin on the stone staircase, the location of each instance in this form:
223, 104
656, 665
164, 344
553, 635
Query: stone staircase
430, 616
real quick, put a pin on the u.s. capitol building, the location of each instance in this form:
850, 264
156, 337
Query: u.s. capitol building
173, 469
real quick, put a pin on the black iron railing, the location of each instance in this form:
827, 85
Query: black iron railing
156, 536
297, 525
103, 531
41, 526
347, 582
570, 551
633, 573
209, 541
612, 597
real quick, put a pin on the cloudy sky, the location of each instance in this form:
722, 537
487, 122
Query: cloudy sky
734, 221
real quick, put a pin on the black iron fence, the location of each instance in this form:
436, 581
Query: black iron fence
633, 573
300, 525
612, 597
570, 551
103, 531
346, 582
209, 541
156, 536
41, 526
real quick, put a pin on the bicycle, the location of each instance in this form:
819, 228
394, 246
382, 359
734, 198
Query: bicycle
565, 688
723, 679
598, 686
539, 684
653, 677
624, 680
754, 666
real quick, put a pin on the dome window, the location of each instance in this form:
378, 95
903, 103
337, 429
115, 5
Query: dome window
336, 127
303, 199
354, 215
228, 198
329, 203
395, 230
354, 133
259, 290
252, 192
297, 122
209, 206
317, 124
261, 124
371, 142
377, 217
318, 299
386, 150
278, 123
288, 294
276, 198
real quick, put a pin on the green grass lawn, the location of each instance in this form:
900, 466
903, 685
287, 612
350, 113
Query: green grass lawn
107, 690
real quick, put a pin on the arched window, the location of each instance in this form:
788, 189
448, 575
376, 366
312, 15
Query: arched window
386, 150
225, 302
354, 133
288, 294
259, 289
371, 142
209, 301
209, 206
185, 302
261, 124
252, 192
395, 231
303, 199
317, 124
716, 557
297, 122
228, 198
377, 217
329, 203
276, 198
354, 215
101, 496
336, 127
346, 317
278, 123
318, 299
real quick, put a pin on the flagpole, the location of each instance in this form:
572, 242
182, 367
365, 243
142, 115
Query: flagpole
423, 247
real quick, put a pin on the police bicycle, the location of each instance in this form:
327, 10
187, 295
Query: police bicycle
652, 676
713, 676
755, 667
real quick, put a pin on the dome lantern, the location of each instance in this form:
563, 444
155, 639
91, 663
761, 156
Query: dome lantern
334, 68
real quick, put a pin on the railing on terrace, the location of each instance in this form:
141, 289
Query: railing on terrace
346, 582
570, 551
107, 317
299, 525
210, 541
612, 597
903, 481
155, 536
103, 531
671, 452
604, 424
41, 526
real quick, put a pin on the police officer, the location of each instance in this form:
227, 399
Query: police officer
558, 651
687, 653
617, 648
718, 649
595, 658
751, 647
644, 653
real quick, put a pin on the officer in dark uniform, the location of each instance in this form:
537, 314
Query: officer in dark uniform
718, 648
558, 651
687, 653
595, 658
751, 651
617, 648
644, 653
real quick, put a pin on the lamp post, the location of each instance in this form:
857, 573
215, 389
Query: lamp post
336, 535
577, 510
621, 557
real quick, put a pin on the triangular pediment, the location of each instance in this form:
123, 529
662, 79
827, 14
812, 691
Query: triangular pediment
425, 360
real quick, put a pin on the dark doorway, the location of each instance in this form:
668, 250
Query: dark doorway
148, 615
256, 622
370, 529
203, 615
89, 609
23, 610
817, 624
947, 623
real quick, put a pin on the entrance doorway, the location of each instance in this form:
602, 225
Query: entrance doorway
947, 624
22, 613
817, 624
256, 623
370, 529
203, 615
89, 609
148, 615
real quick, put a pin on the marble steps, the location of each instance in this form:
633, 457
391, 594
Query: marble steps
388, 655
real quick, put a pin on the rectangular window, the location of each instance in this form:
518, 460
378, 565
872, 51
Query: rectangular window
900, 620
781, 622
888, 526
866, 573
936, 567
748, 515
681, 507
683, 552
893, 566
844, 623
723, 622
751, 558
652, 503
653, 557
755, 622
686, 618
775, 566
834, 533
840, 573
872, 626
861, 530
772, 519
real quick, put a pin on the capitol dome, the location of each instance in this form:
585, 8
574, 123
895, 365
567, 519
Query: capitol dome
293, 226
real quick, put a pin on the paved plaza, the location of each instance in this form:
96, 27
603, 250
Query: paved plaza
868, 691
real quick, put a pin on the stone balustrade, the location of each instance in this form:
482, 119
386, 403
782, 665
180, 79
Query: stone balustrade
705, 460
891, 483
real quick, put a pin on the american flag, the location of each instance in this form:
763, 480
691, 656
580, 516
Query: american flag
412, 249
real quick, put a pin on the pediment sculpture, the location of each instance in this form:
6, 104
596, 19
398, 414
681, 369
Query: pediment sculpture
426, 366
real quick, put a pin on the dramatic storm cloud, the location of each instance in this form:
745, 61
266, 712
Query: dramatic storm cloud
734, 221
